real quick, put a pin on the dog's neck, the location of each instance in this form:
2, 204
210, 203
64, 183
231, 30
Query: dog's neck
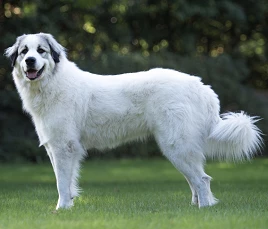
35, 94
32, 93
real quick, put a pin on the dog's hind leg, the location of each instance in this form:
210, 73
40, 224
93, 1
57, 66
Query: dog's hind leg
189, 161
194, 193
199, 181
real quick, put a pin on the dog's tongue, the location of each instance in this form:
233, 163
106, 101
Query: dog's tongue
32, 74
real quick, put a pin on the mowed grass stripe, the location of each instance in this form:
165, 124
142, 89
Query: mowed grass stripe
134, 194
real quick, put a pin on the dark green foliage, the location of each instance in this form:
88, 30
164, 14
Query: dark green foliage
224, 42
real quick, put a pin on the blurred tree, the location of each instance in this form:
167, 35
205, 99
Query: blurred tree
223, 41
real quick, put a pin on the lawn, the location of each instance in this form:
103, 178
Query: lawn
133, 194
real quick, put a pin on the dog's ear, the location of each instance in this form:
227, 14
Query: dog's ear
55, 55
13, 58
55, 48
12, 52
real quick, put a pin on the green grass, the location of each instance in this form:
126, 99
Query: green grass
134, 194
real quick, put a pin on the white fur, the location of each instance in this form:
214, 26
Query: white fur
74, 110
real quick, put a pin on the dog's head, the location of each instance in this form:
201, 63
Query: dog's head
34, 55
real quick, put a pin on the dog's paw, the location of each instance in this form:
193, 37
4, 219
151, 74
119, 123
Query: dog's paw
65, 204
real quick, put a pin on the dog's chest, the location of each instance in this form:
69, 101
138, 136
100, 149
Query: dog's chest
34, 104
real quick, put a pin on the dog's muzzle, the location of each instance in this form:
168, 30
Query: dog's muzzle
32, 73
30, 62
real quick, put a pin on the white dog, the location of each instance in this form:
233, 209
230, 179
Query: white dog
74, 110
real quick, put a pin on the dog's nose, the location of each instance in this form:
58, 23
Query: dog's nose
30, 61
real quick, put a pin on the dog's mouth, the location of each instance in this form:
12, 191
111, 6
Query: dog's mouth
33, 74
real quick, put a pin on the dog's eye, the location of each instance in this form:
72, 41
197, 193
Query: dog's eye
24, 51
40, 50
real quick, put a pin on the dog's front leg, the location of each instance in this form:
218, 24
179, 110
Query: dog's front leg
63, 158
63, 173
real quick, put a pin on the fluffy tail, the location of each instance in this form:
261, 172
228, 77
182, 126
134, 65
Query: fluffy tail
235, 137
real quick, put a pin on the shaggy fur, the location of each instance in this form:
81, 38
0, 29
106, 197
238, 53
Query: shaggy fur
74, 110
